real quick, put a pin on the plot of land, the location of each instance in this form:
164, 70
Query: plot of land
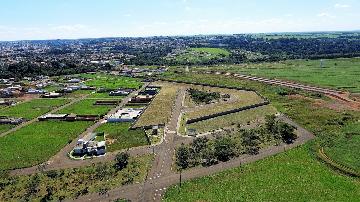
254, 115
86, 107
120, 137
112, 82
69, 183
292, 176
37, 142
159, 111
33, 108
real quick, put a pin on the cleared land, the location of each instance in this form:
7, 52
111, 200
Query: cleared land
159, 111
336, 73
242, 98
33, 108
118, 136
249, 116
86, 107
71, 183
37, 142
291, 176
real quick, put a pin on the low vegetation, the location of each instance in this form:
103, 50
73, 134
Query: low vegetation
200, 97
198, 56
33, 108
230, 143
72, 183
111, 81
86, 107
295, 175
37, 142
159, 111
248, 117
119, 136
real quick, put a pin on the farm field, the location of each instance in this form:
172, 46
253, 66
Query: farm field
253, 116
198, 55
70, 183
33, 108
159, 111
120, 137
37, 142
86, 107
111, 82
337, 73
295, 173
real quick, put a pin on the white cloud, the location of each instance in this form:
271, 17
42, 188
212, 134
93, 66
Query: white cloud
341, 5
325, 15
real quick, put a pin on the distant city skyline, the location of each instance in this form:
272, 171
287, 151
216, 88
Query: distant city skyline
69, 19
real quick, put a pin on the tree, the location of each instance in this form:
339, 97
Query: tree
199, 144
209, 157
122, 160
182, 157
286, 132
224, 148
251, 142
270, 123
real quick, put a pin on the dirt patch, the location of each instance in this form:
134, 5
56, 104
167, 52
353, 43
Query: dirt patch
334, 104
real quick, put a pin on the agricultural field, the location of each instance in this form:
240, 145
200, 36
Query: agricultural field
111, 82
296, 174
33, 108
159, 111
248, 117
198, 55
71, 183
119, 137
86, 107
341, 74
37, 142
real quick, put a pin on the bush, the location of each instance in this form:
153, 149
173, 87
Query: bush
224, 149
182, 157
122, 160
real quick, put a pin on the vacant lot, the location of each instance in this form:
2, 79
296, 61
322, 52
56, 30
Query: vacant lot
159, 111
86, 107
37, 142
291, 176
33, 108
336, 73
249, 116
120, 137
112, 82
70, 183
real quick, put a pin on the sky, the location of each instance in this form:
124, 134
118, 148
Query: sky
65, 19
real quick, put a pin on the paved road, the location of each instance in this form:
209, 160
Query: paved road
36, 119
156, 188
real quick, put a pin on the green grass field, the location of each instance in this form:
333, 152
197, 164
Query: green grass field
121, 137
291, 176
37, 142
86, 107
5, 127
112, 82
198, 55
70, 183
242, 118
33, 108
337, 73
347, 148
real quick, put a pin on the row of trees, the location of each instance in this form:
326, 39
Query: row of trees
229, 144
